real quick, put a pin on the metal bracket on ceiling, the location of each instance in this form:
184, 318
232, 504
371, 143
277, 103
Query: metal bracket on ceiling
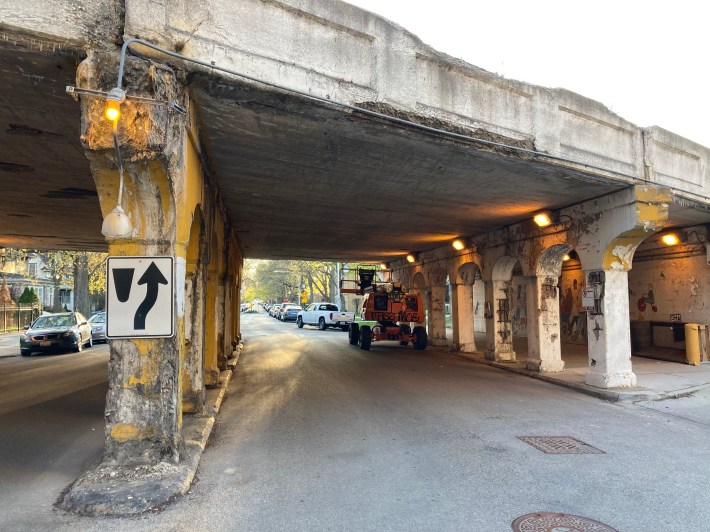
173, 105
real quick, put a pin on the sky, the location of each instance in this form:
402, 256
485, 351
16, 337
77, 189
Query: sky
647, 61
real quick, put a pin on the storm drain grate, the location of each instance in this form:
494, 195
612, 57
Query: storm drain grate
547, 521
559, 445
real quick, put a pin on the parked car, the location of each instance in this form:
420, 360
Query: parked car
325, 315
274, 311
290, 312
56, 332
98, 327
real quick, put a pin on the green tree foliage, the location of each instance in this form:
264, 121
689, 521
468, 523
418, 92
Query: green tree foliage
275, 279
28, 297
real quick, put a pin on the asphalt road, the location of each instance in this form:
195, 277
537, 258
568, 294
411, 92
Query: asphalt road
316, 434
51, 427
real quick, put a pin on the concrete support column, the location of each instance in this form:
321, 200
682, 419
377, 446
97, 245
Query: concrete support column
212, 325
608, 335
193, 396
144, 399
437, 320
499, 327
221, 322
462, 317
543, 311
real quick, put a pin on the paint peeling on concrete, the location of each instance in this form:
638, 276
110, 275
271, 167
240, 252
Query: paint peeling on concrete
625, 254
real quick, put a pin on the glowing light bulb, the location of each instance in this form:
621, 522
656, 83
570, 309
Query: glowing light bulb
113, 110
670, 239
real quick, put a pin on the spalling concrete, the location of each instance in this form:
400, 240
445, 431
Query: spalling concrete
111, 490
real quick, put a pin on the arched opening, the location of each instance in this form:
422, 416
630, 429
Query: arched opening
554, 298
668, 285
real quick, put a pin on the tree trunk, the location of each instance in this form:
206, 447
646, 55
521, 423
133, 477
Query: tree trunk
57, 304
82, 300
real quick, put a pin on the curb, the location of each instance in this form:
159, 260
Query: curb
115, 491
600, 393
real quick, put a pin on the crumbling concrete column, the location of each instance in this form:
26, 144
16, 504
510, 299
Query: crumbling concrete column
211, 369
193, 396
609, 333
543, 311
437, 309
499, 326
143, 403
462, 317
612, 228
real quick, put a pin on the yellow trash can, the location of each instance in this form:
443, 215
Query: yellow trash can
696, 343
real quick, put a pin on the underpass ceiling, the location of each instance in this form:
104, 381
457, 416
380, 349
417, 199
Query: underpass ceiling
300, 180
48, 197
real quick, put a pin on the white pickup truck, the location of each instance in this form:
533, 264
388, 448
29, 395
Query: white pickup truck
324, 315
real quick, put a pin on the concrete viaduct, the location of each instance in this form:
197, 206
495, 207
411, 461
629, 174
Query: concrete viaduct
401, 149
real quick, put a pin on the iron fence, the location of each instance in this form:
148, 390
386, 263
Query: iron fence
14, 317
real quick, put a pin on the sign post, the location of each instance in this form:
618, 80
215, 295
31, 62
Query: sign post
140, 294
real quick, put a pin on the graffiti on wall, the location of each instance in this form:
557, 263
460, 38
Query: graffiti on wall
573, 322
647, 301
519, 318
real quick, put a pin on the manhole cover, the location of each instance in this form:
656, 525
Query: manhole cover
551, 522
559, 445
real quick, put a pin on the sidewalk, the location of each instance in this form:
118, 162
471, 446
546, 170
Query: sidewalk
10, 344
656, 379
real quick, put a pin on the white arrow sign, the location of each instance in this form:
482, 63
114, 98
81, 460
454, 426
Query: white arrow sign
139, 297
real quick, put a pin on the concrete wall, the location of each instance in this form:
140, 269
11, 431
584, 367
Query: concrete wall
672, 286
46, 25
336, 51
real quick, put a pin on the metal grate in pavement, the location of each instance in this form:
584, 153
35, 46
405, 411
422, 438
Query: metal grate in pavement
546, 522
559, 445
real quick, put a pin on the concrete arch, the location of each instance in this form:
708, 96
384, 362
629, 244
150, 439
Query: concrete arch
466, 273
418, 281
503, 268
550, 260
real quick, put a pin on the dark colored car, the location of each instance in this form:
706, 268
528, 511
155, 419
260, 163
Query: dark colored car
290, 313
56, 332
98, 327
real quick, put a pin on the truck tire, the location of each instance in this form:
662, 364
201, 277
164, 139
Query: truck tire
365, 338
299, 322
353, 333
421, 338
321, 324
344, 327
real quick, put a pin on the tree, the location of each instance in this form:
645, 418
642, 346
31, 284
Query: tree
275, 279
28, 297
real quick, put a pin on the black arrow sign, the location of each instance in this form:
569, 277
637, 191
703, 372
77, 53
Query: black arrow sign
152, 277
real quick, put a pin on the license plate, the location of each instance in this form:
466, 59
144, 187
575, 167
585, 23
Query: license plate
45, 343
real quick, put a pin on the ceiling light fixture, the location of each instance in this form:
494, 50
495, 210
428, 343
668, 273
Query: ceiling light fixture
543, 219
670, 239
116, 223
458, 244
412, 257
